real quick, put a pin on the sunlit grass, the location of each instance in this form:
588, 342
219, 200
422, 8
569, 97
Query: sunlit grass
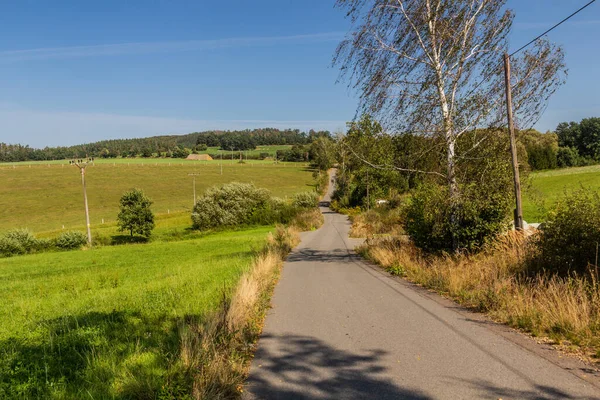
546, 187
44, 198
105, 322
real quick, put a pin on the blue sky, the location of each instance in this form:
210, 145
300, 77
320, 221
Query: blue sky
80, 71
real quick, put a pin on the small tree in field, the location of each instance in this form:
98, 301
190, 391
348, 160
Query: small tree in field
135, 215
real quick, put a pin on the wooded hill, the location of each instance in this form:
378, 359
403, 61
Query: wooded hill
164, 146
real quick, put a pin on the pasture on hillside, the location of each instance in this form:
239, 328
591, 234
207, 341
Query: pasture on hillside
106, 322
45, 196
545, 188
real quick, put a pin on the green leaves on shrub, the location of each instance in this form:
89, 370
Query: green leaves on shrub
306, 200
20, 241
570, 238
10, 247
479, 215
71, 240
231, 204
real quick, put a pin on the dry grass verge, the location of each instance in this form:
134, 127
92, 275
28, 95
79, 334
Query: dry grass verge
377, 222
216, 352
566, 310
308, 220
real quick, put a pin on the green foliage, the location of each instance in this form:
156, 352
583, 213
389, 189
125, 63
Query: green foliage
322, 153
583, 136
306, 200
567, 157
570, 237
25, 239
297, 153
229, 205
71, 240
135, 215
21, 241
479, 215
541, 149
10, 247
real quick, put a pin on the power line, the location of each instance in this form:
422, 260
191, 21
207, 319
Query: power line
554, 27
489, 74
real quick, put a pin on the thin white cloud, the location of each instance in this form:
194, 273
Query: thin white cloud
161, 47
44, 128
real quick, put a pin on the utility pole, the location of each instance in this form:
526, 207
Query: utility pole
518, 214
81, 164
194, 175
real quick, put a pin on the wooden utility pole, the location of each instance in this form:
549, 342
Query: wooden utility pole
82, 165
194, 175
518, 214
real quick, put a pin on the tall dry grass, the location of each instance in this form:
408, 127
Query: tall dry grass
377, 222
216, 352
566, 310
308, 220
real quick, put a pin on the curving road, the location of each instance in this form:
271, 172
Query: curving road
341, 329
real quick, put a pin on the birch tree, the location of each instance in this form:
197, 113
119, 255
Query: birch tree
434, 68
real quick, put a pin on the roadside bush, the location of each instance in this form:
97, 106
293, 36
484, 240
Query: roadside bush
10, 247
570, 237
479, 216
306, 200
231, 204
24, 238
71, 240
21, 241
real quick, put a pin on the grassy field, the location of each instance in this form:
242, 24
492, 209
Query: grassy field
46, 196
104, 323
546, 187
259, 149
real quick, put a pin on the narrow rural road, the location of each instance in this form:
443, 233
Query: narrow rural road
341, 329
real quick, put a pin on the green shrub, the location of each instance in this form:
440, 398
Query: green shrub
231, 204
21, 241
10, 247
25, 239
570, 237
479, 216
306, 200
71, 240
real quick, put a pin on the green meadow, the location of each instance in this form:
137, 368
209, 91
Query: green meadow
105, 322
543, 189
47, 196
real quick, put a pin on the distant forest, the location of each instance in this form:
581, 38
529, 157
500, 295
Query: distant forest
175, 146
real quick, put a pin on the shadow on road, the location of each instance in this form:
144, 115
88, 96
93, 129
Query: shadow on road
304, 367
537, 392
323, 256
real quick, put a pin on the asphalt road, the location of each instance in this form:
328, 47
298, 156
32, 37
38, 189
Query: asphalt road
342, 329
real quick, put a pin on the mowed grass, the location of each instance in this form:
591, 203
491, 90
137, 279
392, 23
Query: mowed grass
106, 322
44, 197
547, 187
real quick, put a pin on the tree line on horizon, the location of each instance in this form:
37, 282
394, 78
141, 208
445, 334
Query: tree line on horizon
176, 146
